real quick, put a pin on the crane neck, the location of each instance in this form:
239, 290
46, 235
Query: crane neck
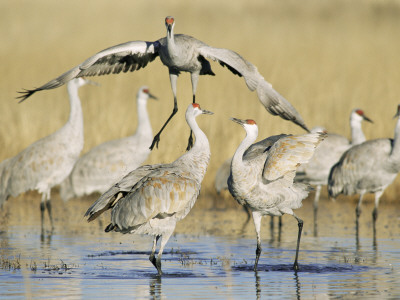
144, 125
198, 157
171, 41
357, 134
75, 116
237, 160
396, 143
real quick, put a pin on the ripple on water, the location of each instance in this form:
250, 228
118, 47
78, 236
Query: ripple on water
304, 268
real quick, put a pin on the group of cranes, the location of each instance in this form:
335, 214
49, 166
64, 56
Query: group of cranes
151, 199
369, 167
106, 163
316, 171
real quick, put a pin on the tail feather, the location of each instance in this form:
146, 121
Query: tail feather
105, 202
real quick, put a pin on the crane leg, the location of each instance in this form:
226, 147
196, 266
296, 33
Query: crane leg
271, 224
257, 224
153, 250
164, 239
48, 206
156, 139
358, 208
42, 209
315, 205
375, 211
190, 141
300, 224
173, 78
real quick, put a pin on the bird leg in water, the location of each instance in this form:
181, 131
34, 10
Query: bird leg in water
300, 224
315, 205
375, 211
358, 208
257, 223
48, 206
153, 250
164, 239
42, 208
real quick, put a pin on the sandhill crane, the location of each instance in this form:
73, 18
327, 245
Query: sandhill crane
369, 167
106, 163
48, 161
180, 53
221, 184
151, 199
316, 171
262, 176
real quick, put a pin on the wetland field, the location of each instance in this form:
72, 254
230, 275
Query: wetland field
325, 57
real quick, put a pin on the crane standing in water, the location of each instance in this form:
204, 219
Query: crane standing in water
48, 161
262, 176
369, 167
180, 53
152, 199
316, 171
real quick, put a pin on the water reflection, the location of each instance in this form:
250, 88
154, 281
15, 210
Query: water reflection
155, 287
258, 286
45, 238
297, 284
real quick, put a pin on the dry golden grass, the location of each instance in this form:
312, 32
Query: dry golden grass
325, 57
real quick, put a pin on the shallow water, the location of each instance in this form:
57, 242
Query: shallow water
211, 256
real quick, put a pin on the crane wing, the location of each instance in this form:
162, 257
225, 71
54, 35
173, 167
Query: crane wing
108, 199
125, 57
287, 154
161, 194
273, 102
261, 147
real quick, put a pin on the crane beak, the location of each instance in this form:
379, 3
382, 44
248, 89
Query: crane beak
367, 119
206, 112
169, 29
240, 122
152, 96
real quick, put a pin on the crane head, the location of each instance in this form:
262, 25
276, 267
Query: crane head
169, 23
145, 90
244, 122
360, 112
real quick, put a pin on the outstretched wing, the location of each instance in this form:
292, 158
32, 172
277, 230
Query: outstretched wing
271, 99
287, 154
125, 57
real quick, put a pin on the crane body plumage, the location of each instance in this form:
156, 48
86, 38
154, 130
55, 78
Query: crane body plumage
316, 171
179, 53
262, 175
153, 198
369, 167
108, 162
48, 161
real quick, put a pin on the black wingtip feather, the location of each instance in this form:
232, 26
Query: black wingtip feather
25, 95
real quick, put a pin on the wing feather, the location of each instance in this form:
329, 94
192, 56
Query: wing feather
273, 102
109, 199
125, 57
288, 153
159, 194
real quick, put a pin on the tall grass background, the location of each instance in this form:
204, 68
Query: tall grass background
325, 57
